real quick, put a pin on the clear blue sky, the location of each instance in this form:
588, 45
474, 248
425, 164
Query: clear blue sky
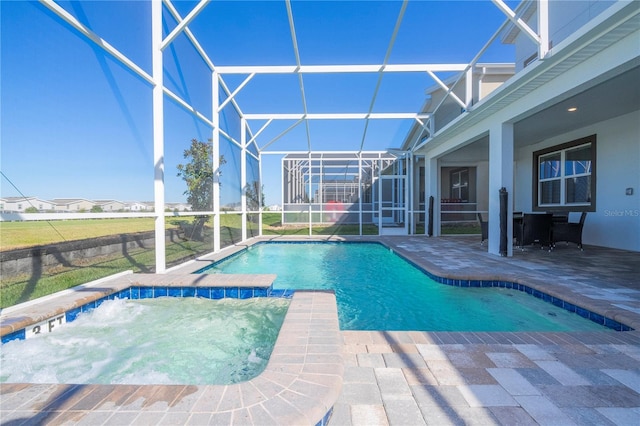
75, 123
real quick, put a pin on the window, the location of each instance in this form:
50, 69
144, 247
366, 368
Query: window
460, 184
564, 176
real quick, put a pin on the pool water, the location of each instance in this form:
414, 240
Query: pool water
378, 290
166, 340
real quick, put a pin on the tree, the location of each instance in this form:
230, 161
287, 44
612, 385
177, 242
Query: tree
96, 209
198, 175
31, 210
254, 202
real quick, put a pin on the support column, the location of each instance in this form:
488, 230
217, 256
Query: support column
500, 176
215, 140
543, 28
260, 194
158, 136
243, 176
431, 187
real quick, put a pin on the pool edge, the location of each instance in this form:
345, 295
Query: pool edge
300, 385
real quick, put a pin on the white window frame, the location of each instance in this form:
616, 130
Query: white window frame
589, 141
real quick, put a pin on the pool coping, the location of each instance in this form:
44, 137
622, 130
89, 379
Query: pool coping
300, 384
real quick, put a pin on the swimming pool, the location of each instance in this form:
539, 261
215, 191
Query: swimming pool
377, 289
166, 340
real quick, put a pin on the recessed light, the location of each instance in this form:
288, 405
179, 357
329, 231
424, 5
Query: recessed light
572, 109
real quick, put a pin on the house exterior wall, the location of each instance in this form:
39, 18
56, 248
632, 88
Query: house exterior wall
616, 221
565, 17
112, 206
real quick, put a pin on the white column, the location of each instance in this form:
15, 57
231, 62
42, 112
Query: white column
309, 204
543, 28
360, 193
215, 139
243, 176
468, 95
260, 194
432, 188
158, 136
500, 176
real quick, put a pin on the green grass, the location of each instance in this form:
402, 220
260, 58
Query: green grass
15, 235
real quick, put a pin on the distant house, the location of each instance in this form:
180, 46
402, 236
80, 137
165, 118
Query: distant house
72, 205
20, 204
136, 206
110, 205
180, 207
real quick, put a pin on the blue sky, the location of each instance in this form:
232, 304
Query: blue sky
75, 123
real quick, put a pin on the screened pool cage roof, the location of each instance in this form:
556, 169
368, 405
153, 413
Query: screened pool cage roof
322, 76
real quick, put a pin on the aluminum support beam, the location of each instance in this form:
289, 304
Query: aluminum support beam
215, 139
338, 69
517, 21
158, 136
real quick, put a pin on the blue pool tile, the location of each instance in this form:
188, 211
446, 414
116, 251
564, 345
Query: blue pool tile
88, 306
260, 292
175, 292
597, 318
582, 312
204, 292
71, 314
146, 293
160, 291
558, 302
135, 293
231, 292
546, 297
124, 294
608, 322
217, 293
16, 335
188, 291
246, 293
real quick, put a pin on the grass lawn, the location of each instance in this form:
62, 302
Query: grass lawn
15, 235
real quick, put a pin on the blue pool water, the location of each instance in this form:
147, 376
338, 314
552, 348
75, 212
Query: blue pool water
379, 290
166, 340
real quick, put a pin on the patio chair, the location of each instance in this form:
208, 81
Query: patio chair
535, 229
571, 232
484, 229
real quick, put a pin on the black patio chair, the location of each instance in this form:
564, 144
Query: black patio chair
484, 229
571, 232
535, 229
